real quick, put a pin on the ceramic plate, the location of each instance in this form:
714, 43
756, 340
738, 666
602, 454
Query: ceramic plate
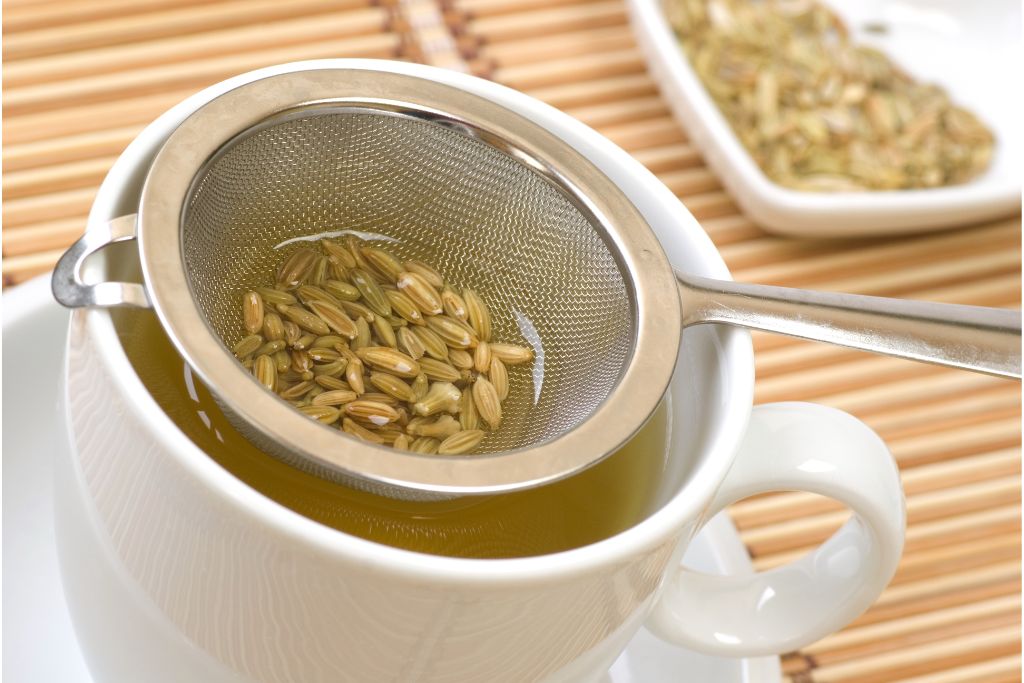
39, 644
972, 49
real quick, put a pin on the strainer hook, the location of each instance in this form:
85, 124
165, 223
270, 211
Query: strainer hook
68, 284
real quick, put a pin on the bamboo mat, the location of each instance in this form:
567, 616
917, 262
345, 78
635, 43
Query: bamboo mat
82, 77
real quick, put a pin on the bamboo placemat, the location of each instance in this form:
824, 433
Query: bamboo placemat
82, 77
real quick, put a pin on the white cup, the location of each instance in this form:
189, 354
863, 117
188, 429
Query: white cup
174, 570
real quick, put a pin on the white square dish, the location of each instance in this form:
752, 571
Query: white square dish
973, 50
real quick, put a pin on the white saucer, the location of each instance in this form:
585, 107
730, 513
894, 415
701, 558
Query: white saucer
971, 49
39, 644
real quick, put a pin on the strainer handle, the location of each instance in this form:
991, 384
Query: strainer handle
68, 284
968, 337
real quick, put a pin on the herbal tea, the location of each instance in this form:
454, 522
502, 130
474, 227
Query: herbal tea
597, 503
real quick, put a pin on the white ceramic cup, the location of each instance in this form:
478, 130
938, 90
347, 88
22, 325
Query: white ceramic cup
175, 570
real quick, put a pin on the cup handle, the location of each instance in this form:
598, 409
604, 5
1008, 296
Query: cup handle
805, 447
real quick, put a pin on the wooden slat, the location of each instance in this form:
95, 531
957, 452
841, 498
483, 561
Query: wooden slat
42, 236
533, 49
921, 390
946, 589
20, 3
1000, 402
728, 228
931, 447
960, 269
648, 134
972, 553
863, 370
67, 176
558, 19
527, 76
769, 510
611, 113
710, 205
761, 248
20, 268
581, 93
35, 74
754, 251
923, 536
928, 542
885, 256
36, 14
193, 74
18, 212
999, 670
472, 9
963, 527
90, 119
57, 149
927, 658
957, 502
668, 157
690, 181
119, 30
892, 635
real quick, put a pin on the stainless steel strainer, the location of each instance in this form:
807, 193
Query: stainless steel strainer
496, 202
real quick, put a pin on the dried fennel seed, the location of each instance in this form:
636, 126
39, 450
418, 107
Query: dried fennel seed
818, 112
384, 350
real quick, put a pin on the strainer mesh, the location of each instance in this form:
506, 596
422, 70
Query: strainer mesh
482, 218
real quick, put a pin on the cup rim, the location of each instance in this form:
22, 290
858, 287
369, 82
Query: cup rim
688, 503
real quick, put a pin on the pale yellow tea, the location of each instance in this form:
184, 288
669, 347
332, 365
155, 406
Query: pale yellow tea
600, 502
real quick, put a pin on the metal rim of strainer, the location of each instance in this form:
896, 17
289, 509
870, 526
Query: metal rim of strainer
331, 453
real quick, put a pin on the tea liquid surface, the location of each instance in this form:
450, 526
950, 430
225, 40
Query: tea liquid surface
602, 501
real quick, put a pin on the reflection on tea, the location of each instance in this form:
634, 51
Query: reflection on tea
600, 502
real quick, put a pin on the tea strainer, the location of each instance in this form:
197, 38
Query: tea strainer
495, 202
